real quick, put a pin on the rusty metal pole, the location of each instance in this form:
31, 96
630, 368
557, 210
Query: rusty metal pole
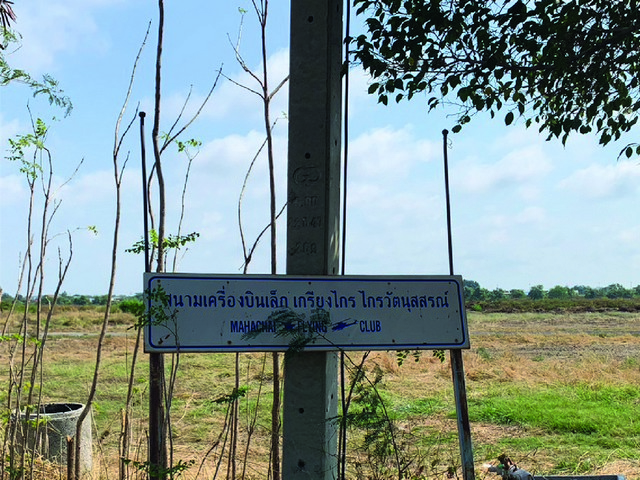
157, 436
457, 366
313, 211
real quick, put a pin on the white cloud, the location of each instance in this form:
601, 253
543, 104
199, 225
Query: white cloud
50, 28
503, 232
235, 152
8, 130
630, 237
12, 191
531, 215
605, 181
93, 187
512, 226
521, 168
385, 153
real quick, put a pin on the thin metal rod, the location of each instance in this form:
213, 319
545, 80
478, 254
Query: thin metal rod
448, 199
145, 199
342, 440
457, 367
156, 454
345, 145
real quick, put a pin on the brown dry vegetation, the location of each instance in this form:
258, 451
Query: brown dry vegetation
524, 349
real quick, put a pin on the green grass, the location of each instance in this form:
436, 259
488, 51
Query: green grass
422, 407
585, 424
599, 410
594, 421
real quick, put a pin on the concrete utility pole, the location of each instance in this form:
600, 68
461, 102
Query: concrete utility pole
313, 212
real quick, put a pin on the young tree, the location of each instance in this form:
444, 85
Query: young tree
537, 292
161, 391
26, 346
616, 290
517, 294
559, 292
266, 94
568, 66
497, 294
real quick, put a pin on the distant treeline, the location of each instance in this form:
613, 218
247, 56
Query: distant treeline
582, 297
473, 292
77, 300
577, 298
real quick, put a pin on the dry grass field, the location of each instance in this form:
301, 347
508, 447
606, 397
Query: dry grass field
517, 369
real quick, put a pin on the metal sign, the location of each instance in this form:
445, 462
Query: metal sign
231, 313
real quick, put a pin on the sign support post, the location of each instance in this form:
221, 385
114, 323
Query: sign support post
313, 211
457, 366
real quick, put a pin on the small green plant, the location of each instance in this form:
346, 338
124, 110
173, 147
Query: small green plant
171, 473
387, 450
287, 324
484, 353
368, 413
236, 394
14, 472
170, 242
158, 312
402, 355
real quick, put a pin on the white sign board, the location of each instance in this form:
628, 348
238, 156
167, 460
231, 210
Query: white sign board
230, 313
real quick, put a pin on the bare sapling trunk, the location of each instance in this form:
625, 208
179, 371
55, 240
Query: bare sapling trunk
261, 10
266, 96
157, 426
125, 433
161, 392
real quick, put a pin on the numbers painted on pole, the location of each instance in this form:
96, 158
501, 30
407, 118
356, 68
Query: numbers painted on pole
304, 248
304, 201
305, 222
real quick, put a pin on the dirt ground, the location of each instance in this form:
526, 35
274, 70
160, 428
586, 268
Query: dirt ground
612, 335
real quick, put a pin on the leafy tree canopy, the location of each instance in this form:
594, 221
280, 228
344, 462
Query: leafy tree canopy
566, 65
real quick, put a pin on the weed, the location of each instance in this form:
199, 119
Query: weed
172, 473
484, 353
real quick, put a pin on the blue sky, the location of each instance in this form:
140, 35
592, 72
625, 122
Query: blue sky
525, 211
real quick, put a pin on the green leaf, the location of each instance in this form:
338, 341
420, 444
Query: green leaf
508, 119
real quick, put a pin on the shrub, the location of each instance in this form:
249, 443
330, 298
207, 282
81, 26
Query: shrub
131, 305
